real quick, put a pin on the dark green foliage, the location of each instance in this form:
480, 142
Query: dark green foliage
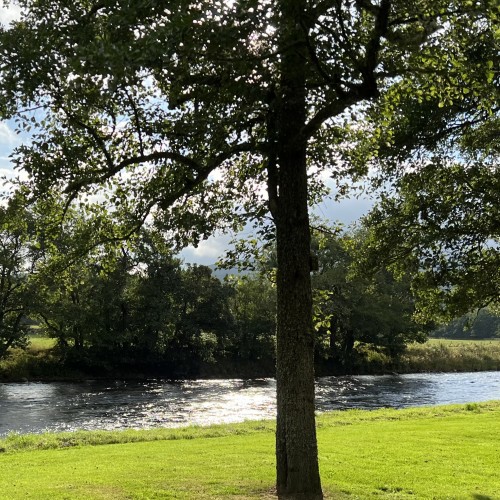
481, 324
443, 227
354, 307
438, 160
203, 319
144, 311
18, 256
254, 309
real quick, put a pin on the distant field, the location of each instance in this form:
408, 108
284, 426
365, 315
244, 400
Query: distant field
37, 343
458, 342
37, 362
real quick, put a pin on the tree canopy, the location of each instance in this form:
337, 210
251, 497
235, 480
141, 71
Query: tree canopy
443, 225
198, 114
439, 209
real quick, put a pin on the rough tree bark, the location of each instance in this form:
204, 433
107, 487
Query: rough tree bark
296, 446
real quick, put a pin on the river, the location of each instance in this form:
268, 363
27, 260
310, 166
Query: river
67, 406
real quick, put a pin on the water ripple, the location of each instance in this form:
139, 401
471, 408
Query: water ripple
58, 406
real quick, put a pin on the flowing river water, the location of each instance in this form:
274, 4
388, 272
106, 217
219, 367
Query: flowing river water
67, 406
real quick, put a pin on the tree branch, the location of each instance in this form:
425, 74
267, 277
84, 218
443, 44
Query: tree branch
99, 140
329, 111
137, 121
368, 88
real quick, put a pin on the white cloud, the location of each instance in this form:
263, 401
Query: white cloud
7, 136
9, 14
207, 252
5, 172
8, 173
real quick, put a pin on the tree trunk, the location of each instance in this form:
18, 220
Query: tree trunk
347, 350
5, 346
296, 447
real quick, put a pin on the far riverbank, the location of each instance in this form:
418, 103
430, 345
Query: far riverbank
41, 362
435, 356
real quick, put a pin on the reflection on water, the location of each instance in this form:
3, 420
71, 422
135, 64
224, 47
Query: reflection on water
37, 407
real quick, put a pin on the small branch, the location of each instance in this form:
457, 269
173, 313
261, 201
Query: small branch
137, 121
48, 324
329, 111
331, 79
325, 230
412, 20
96, 136
113, 169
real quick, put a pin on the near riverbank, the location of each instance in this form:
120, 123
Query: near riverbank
425, 453
41, 361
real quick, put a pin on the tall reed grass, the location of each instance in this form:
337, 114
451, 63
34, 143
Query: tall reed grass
449, 356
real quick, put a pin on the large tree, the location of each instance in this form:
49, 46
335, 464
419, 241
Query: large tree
183, 111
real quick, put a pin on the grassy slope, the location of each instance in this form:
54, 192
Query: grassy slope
435, 453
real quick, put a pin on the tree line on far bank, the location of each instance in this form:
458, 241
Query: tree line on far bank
480, 324
135, 306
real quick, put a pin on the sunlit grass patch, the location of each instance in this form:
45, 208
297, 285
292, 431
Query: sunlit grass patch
452, 355
38, 343
444, 452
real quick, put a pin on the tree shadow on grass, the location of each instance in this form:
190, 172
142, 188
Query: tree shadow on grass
478, 496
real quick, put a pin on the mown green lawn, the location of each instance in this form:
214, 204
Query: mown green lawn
450, 452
